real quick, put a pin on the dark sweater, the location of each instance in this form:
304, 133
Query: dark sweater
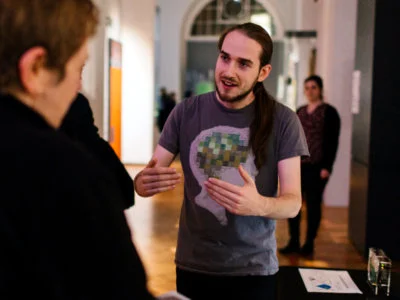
331, 132
78, 125
62, 229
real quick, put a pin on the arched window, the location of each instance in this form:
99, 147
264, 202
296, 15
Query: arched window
218, 15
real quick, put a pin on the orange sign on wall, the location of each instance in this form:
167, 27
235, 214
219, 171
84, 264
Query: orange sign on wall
115, 95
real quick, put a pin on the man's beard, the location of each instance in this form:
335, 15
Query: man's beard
237, 98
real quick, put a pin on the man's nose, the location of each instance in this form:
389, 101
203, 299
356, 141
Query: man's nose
230, 70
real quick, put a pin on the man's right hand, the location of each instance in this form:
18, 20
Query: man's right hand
153, 180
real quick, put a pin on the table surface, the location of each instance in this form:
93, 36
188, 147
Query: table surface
291, 286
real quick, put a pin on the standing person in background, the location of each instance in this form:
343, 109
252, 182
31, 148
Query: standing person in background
163, 98
168, 104
188, 94
321, 123
172, 97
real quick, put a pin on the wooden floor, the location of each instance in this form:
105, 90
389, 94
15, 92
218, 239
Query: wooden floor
154, 225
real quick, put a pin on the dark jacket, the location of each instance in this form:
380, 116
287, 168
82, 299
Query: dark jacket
63, 232
330, 136
78, 125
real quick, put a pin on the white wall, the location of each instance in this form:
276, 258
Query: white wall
137, 32
308, 13
172, 13
132, 23
335, 62
113, 31
93, 73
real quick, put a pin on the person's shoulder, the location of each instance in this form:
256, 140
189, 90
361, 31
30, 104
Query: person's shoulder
80, 106
331, 112
199, 99
79, 118
81, 98
301, 108
47, 157
283, 112
55, 150
285, 117
330, 108
194, 102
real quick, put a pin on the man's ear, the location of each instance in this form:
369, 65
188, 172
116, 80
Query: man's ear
32, 70
264, 72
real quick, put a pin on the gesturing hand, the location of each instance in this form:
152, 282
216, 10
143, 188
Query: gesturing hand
152, 180
244, 200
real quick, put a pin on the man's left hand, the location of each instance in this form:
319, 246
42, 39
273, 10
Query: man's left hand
240, 200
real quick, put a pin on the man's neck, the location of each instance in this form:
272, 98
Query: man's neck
237, 104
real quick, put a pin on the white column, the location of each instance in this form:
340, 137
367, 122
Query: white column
172, 56
307, 20
132, 23
137, 37
305, 46
93, 73
335, 63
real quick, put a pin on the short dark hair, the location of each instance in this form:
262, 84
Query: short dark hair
59, 26
318, 80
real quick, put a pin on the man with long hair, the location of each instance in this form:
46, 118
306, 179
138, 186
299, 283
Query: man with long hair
234, 144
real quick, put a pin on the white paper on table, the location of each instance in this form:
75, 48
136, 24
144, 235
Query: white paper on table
328, 281
172, 295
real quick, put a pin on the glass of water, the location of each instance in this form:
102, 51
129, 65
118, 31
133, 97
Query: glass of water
379, 271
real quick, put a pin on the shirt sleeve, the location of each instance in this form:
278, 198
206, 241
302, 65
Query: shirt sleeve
170, 135
291, 139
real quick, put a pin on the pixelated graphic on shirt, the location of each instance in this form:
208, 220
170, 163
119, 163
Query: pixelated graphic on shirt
221, 150
217, 152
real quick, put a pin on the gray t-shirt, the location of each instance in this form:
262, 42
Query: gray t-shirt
212, 141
